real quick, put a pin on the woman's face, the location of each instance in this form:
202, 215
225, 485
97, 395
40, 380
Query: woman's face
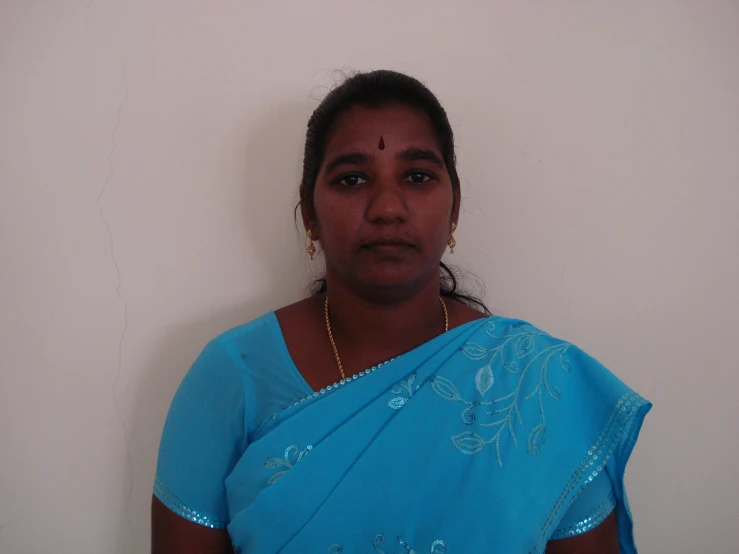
383, 200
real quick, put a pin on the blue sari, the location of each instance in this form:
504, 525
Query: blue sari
492, 437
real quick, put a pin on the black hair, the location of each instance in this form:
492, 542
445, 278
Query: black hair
376, 89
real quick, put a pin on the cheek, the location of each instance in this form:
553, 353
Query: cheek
337, 218
435, 217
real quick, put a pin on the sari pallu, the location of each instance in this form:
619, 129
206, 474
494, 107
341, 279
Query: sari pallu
479, 440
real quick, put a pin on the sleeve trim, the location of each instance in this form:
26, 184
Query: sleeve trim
626, 418
173, 502
597, 517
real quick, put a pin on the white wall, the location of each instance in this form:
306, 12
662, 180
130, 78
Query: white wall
149, 161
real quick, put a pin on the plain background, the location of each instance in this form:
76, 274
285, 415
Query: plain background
149, 159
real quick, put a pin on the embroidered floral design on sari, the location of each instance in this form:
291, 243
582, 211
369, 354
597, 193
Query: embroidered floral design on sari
507, 408
404, 387
437, 547
292, 456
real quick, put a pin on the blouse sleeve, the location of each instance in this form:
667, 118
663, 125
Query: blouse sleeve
592, 506
203, 438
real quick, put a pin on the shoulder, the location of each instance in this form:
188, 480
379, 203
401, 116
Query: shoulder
460, 313
226, 355
250, 360
519, 340
257, 329
219, 367
504, 327
522, 349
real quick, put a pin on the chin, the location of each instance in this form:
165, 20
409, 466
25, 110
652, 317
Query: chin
395, 283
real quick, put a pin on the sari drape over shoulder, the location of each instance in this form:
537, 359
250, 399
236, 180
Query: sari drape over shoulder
491, 437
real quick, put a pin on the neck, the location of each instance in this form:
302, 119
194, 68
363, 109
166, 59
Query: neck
368, 329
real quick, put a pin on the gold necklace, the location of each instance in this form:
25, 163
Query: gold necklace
333, 344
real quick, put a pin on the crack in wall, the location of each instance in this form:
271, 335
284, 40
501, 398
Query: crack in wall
122, 300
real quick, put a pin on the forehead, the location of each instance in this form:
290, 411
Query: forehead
360, 128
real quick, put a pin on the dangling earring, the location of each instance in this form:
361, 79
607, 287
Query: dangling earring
451, 242
311, 248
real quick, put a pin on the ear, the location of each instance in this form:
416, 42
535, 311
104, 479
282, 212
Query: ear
456, 203
308, 213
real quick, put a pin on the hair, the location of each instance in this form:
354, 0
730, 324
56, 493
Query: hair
376, 89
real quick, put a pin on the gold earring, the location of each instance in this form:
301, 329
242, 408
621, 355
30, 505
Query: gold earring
451, 242
311, 248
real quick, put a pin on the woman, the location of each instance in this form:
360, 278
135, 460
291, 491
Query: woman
468, 432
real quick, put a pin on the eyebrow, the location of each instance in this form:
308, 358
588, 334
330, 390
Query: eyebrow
409, 154
414, 154
353, 158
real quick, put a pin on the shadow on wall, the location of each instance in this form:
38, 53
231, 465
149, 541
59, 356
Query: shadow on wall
274, 148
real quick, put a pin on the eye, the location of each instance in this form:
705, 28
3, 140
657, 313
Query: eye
351, 180
418, 177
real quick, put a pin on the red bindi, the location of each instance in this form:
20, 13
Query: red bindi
381, 146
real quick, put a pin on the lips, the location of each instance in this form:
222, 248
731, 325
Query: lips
389, 242
389, 245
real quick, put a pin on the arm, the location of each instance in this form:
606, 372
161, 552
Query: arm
601, 540
172, 534
203, 438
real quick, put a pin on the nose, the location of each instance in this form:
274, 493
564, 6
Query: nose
386, 202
